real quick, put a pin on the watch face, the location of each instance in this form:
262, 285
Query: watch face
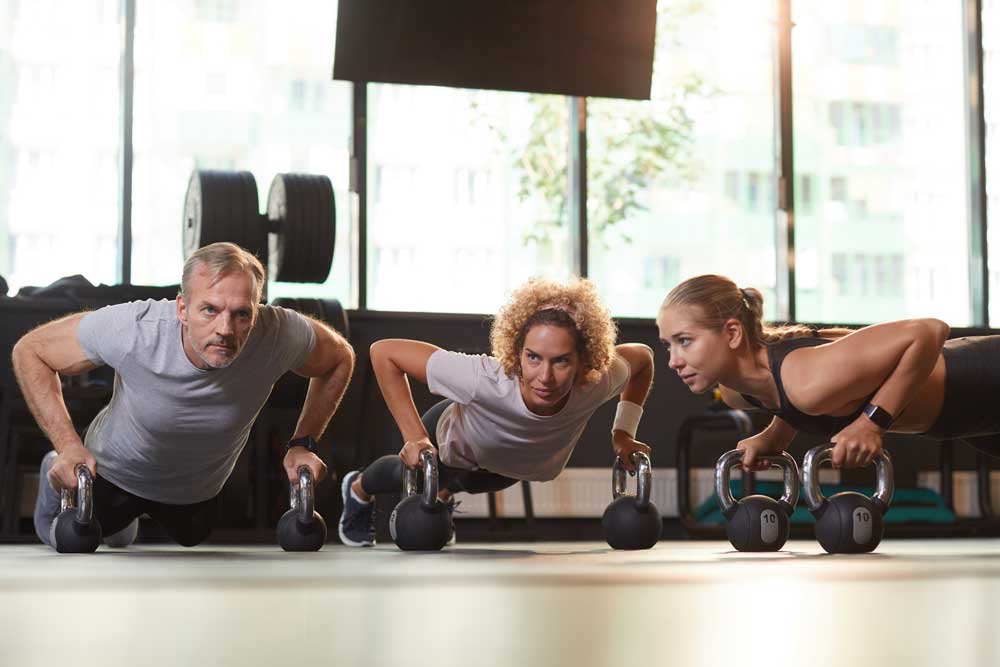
878, 415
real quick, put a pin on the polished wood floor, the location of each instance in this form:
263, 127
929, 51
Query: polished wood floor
552, 604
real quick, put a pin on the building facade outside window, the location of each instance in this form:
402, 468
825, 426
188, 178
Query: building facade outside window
880, 117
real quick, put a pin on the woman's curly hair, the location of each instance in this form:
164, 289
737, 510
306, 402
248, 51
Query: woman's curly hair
574, 306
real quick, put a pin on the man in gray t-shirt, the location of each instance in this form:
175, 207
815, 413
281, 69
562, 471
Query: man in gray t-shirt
190, 377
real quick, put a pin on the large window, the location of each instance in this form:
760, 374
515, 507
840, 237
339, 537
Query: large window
59, 140
684, 184
991, 97
467, 196
469, 191
880, 117
238, 86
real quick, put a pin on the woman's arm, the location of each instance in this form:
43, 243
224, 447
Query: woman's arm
888, 362
772, 440
393, 360
640, 362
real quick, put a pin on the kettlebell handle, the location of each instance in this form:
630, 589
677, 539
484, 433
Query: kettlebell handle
83, 499
429, 464
644, 481
884, 479
732, 458
302, 497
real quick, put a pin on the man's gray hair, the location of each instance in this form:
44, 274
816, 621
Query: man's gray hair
223, 259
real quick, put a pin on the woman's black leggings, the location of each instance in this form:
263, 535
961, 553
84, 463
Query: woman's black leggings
385, 474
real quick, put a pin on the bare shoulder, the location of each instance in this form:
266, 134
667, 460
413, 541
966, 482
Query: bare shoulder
636, 355
828, 377
734, 399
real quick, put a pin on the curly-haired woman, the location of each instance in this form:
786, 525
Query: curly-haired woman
515, 415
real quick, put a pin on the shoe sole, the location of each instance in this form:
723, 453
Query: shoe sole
345, 490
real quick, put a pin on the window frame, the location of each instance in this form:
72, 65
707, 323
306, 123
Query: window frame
785, 174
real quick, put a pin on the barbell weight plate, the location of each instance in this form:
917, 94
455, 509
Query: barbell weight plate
223, 206
303, 216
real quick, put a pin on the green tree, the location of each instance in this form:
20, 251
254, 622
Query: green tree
632, 145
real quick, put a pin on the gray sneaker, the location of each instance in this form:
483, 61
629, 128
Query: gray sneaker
357, 521
47, 503
123, 537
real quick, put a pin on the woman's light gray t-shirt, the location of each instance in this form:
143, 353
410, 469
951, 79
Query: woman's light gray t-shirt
489, 427
172, 431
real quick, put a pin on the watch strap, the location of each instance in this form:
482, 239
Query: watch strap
879, 416
306, 441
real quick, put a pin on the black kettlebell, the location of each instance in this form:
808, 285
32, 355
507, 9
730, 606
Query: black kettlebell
75, 530
302, 528
421, 523
632, 522
757, 522
847, 522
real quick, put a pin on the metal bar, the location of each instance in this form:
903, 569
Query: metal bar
985, 486
491, 500
784, 165
529, 507
359, 185
979, 277
713, 420
127, 73
261, 435
947, 468
578, 182
748, 483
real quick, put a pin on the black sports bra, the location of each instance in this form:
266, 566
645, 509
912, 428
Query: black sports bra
824, 425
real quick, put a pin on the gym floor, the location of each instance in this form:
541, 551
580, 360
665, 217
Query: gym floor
686, 603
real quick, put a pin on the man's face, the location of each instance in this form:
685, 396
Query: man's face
216, 317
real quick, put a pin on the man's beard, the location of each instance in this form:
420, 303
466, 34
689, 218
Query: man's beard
214, 365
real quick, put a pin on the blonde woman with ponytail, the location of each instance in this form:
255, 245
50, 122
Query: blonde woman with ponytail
849, 386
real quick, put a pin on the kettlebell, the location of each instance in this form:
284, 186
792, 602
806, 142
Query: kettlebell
847, 522
302, 528
420, 522
632, 522
75, 530
757, 522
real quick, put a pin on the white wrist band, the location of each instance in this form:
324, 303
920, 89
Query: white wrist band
627, 418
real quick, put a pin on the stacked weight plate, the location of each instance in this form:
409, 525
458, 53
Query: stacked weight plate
295, 239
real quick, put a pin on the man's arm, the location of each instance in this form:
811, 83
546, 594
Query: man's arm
38, 359
329, 368
640, 361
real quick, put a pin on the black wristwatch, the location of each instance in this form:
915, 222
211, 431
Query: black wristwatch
305, 441
881, 418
